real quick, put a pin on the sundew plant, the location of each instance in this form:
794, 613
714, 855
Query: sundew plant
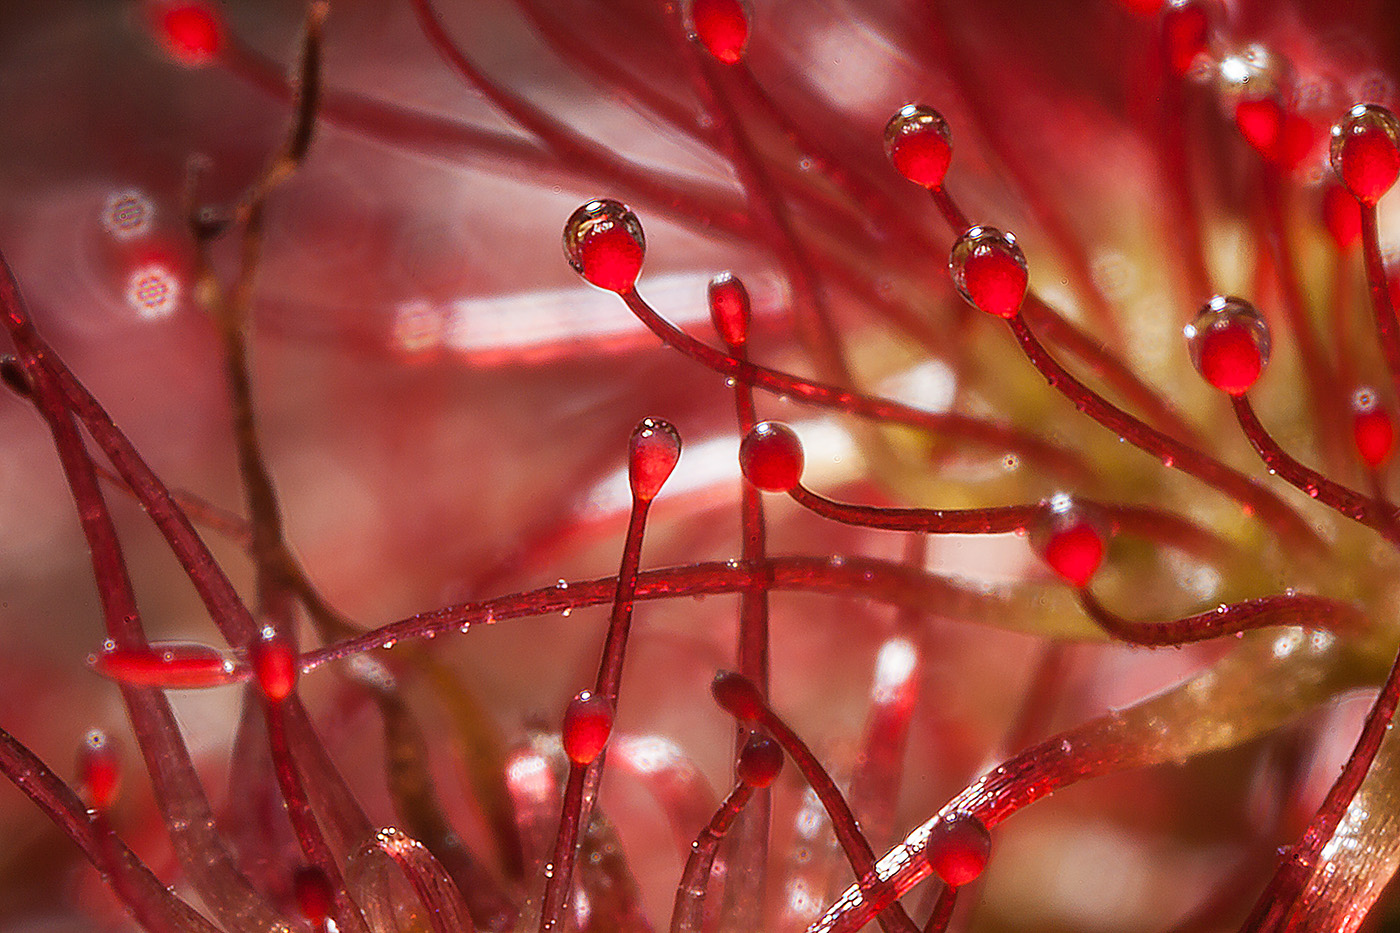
937, 409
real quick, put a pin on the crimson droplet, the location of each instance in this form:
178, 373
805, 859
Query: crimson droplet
314, 894
652, 454
588, 722
722, 26
760, 761
737, 696
918, 142
274, 665
1229, 344
173, 666
99, 770
1372, 428
603, 241
1070, 540
771, 457
1366, 151
958, 848
989, 270
190, 31
730, 310
1260, 121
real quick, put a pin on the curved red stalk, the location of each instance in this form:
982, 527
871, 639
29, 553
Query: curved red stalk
1146, 521
1300, 859
688, 915
308, 831
997, 132
149, 901
1185, 225
1334, 495
1324, 390
1188, 719
593, 160
942, 910
821, 395
879, 771
1313, 612
994, 520
581, 791
1270, 509
880, 580
179, 793
1075, 341
892, 915
1378, 283
746, 866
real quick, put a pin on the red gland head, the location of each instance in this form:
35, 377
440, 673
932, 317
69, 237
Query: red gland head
919, 144
730, 310
274, 665
989, 270
958, 848
737, 696
1260, 121
1366, 152
1070, 539
1185, 32
603, 241
771, 458
170, 665
190, 30
99, 770
314, 894
651, 456
588, 722
1372, 429
760, 761
1229, 344
1341, 215
722, 27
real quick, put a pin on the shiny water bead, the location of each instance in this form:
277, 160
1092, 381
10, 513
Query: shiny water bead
919, 144
99, 770
1185, 32
173, 666
1070, 539
989, 270
1366, 151
314, 895
651, 456
274, 664
722, 26
771, 457
603, 241
192, 32
730, 310
1372, 429
737, 696
1229, 344
958, 848
588, 722
760, 761
1341, 215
